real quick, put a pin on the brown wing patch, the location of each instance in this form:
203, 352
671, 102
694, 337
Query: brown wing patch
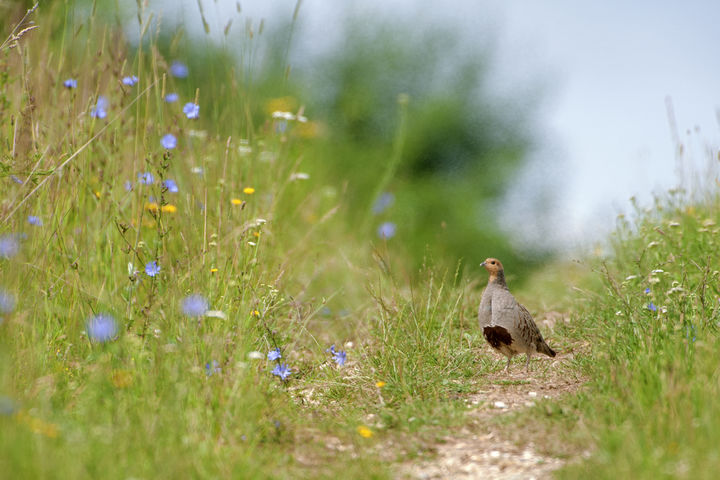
497, 336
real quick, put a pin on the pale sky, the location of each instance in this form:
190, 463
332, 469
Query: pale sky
606, 69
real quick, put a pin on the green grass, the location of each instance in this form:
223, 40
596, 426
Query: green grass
286, 270
651, 410
280, 264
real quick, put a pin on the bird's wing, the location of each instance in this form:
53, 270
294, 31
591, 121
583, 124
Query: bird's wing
527, 322
531, 332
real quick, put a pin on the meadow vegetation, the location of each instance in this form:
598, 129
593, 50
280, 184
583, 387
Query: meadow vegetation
182, 294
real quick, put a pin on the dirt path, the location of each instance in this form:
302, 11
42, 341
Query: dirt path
481, 449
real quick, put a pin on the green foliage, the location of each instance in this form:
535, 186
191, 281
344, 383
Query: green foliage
652, 407
170, 395
458, 151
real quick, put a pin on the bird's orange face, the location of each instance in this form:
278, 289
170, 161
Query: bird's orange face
492, 265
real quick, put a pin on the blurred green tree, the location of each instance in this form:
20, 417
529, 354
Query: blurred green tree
462, 147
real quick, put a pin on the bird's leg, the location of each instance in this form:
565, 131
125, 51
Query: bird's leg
527, 362
507, 367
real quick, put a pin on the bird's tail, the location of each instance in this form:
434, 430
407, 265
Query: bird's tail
545, 348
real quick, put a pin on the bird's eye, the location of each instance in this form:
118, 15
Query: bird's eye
493, 262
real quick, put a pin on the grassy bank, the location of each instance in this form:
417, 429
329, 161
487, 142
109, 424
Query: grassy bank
650, 410
150, 266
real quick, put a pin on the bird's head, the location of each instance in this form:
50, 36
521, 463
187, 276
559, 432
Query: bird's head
494, 268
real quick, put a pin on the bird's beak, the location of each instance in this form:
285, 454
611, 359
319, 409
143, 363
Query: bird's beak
482, 264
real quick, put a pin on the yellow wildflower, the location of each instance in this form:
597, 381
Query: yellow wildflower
37, 425
255, 313
257, 234
152, 207
380, 384
364, 431
213, 270
284, 104
121, 378
248, 190
236, 201
97, 194
309, 130
169, 208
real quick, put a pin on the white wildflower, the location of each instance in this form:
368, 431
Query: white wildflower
299, 176
198, 133
283, 115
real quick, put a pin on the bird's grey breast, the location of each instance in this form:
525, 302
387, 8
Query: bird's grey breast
485, 309
504, 309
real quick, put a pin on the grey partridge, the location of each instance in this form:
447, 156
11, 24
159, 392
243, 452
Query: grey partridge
507, 326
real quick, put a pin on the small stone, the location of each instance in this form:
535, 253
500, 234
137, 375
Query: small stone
494, 454
532, 394
501, 405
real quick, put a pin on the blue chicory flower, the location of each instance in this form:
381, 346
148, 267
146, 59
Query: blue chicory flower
384, 201
100, 108
178, 69
130, 81
8, 406
195, 305
169, 141
101, 328
146, 178
340, 358
152, 268
282, 371
170, 185
338, 355
386, 230
191, 110
7, 301
647, 290
16, 179
651, 306
9, 246
70, 83
35, 220
212, 367
172, 97
128, 185
274, 355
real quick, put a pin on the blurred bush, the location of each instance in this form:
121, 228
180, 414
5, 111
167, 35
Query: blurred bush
461, 147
